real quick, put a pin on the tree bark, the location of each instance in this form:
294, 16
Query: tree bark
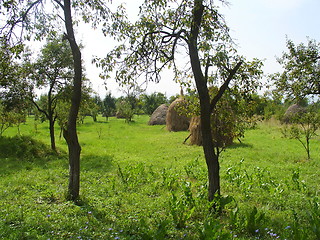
70, 134
51, 118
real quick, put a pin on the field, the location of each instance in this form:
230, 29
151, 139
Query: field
141, 182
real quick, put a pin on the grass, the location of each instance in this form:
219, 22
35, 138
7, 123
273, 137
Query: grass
141, 182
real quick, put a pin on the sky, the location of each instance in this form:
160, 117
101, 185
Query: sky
258, 27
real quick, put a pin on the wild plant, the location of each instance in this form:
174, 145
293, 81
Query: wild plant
169, 179
212, 228
182, 207
254, 220
99, 132
298, 231
194, 170
313, 216
298, 184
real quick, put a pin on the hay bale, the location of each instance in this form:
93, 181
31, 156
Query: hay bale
195, 131
176, 121
293, 111
218, 139
159, 115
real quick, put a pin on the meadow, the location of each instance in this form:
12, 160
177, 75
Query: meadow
142, 182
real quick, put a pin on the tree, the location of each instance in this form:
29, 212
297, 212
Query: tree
109, 106
53, 71
125, 109
303, 127
166, 29
152, 101
128, 105
301, 70
32, 18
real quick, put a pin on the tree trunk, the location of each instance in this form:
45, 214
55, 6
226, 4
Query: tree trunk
205, 109
70, 133
52, 138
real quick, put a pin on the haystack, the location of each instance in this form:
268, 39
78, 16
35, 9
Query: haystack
158, 117
195, 131
293, 111
219, 139
176, 121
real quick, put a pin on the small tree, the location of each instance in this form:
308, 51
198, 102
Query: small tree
53, 71
303, 127
108, 106
125, 109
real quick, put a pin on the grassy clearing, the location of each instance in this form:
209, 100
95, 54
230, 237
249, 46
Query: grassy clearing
141, 182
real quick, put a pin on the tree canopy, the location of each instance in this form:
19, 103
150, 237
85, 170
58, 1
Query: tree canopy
301, 70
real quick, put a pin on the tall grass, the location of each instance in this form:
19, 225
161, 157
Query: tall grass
141, 182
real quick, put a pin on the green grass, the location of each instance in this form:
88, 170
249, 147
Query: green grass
141, 182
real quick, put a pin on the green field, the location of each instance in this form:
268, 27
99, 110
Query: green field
141, 182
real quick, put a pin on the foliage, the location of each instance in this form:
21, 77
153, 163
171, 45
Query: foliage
125, 108
300, 76
10, 117
109, 106
232, 115
90, 105
152, 101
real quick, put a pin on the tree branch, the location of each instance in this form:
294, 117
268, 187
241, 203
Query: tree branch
224, 86
59, 3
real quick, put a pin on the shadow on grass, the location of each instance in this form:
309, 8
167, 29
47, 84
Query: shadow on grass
96, 163
91, 123
24, 152
24, 147
240, 145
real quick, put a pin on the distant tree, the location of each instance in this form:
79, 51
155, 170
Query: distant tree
125, 109
152, 101
274, 106
128, 105
89, 104
301, 64
108, 106
98, 102
172, 98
